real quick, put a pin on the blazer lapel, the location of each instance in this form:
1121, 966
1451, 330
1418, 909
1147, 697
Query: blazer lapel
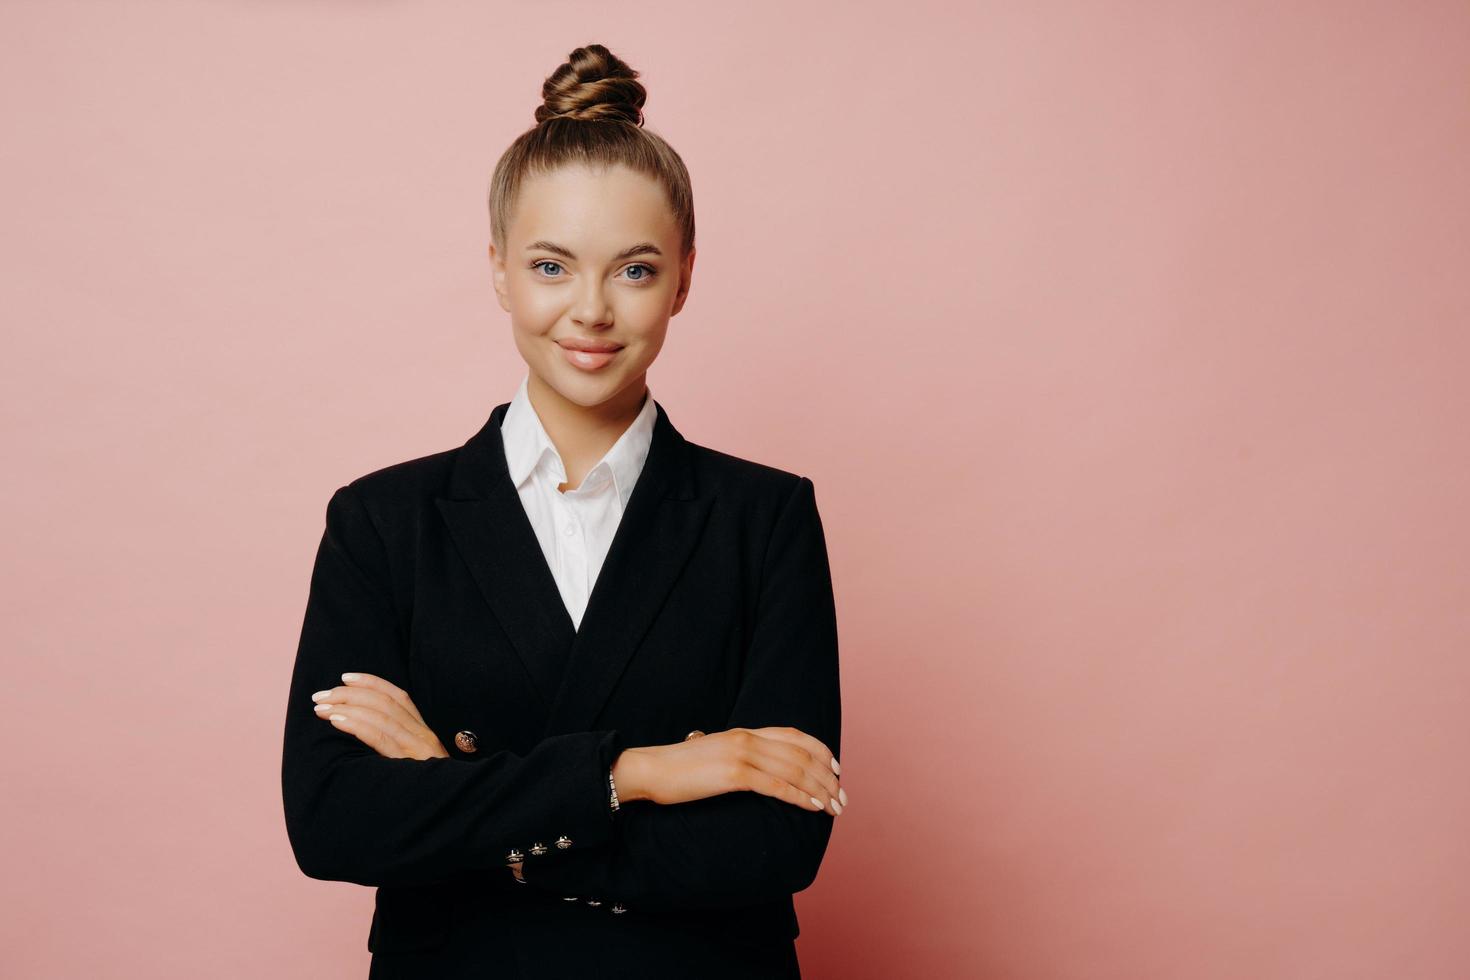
654, 539
494, 536
574, 670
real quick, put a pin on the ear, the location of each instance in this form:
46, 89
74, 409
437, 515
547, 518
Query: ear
497, 277
686, 278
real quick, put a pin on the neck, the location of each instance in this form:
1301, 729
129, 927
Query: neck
583, 434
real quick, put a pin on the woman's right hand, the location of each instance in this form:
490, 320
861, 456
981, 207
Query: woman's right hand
777, 761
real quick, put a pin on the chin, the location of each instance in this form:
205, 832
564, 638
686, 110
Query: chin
586, 390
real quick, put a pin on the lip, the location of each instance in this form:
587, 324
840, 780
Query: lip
594, 346
588, 360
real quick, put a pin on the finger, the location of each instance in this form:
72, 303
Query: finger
368, 696
375, 683
379, 688
767, 762
813, 751
380, 731
798, 767
796, 736
414, 739
766, 783
345, 718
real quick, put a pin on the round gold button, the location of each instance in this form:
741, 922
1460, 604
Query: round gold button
465, 741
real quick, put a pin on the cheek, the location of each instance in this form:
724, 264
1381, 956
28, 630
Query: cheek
525, 294
534, 312
645, 351
646, 313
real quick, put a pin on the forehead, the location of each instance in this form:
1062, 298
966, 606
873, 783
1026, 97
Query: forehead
592, 210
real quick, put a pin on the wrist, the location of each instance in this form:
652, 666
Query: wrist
627, 771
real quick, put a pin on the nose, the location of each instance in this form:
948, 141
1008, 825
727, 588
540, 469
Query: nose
590, 309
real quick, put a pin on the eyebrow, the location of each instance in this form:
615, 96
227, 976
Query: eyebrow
642, 248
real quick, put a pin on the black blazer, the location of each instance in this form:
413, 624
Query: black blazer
713, 609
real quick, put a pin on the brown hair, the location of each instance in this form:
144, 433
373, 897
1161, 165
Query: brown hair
591, 114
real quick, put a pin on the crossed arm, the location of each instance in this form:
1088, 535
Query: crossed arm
355, 811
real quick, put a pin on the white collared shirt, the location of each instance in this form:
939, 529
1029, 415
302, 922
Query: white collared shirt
575, 528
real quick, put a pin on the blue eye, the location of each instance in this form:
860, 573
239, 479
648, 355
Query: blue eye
645, 271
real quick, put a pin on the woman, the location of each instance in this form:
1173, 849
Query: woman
513, 650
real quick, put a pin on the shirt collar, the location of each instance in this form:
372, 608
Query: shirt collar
527, 445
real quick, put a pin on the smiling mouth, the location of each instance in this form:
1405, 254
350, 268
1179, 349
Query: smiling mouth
589, 360
590, 346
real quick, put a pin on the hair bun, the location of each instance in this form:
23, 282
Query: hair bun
594, 84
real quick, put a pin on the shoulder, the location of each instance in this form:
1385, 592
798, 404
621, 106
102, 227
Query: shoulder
758, 487
409, 482
775, 509
393, 500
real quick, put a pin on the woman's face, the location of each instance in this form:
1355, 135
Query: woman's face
591, 259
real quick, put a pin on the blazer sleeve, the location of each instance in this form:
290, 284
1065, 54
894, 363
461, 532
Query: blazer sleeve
353, 815
738, 848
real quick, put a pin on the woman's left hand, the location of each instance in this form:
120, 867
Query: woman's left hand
381, 715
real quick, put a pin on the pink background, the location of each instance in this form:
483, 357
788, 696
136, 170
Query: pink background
1125, 344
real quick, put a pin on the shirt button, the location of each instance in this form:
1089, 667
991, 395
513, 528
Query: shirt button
571, 529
